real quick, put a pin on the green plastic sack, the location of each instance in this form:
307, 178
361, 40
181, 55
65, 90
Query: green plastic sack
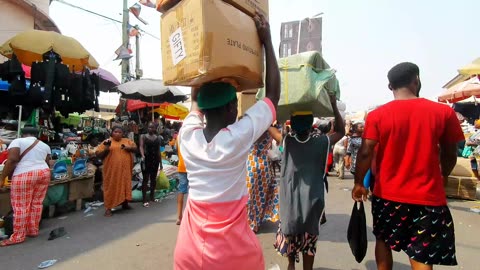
57, 194
137, 195
306, 81
162, 181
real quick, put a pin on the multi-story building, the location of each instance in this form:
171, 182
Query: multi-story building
21, 15
300, 36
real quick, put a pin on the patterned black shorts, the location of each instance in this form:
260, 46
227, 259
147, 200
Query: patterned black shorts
425, 233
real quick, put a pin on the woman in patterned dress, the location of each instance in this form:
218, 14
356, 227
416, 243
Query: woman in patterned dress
354, 144
262, 187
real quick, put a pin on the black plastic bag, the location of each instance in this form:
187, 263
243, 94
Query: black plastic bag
57, 233
357, 232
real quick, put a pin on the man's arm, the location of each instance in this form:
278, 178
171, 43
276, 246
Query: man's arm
448, 159
364, 160
452, 134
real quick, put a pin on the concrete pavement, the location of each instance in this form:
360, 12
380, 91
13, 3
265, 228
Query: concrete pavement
144, 238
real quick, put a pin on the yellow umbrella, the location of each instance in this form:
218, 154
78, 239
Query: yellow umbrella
172, 111
29, 46
471, 69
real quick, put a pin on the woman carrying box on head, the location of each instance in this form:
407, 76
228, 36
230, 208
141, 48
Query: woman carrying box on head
214, 232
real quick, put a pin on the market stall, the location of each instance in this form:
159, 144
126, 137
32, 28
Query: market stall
48, 77
463, 183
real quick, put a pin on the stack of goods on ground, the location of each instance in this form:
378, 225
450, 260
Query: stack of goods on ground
166, 181
307, 80
462, 182
208, 40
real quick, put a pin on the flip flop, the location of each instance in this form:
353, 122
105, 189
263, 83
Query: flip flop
146, 205
7, 242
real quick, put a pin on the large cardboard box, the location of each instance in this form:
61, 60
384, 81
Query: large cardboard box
246, 100
206, 40
462, 168
462, 187
164, 5
251, 6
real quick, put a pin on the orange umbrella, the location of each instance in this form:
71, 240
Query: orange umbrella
461, 91
172, 111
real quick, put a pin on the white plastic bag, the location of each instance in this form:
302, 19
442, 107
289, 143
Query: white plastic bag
274, 153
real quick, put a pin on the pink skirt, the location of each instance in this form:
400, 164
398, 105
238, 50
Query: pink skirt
217, 236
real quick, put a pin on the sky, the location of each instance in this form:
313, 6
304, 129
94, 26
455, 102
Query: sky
362, 40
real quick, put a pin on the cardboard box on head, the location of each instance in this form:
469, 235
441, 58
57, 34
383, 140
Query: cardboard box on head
164, 5
205, 40
250, 7
246, 100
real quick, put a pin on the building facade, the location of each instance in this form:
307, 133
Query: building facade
300, 36
21, 15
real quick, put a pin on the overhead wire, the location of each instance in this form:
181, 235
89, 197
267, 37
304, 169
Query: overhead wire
105, 17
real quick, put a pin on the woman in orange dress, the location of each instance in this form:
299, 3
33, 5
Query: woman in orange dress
117, 170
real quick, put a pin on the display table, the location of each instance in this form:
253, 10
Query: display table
78, 188
4, 202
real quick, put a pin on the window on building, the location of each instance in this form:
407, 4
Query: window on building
287, 31
286, 49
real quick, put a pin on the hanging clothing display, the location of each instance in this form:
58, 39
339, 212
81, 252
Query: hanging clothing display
47, 103
38, 73
96, 84
76, 93
89, 91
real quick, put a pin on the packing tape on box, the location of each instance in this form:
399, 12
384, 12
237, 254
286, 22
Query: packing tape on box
206, 48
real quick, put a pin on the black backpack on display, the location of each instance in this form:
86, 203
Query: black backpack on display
62, 76
47, 103
89, 91
35, 95
76, 93
18, 90
38, 73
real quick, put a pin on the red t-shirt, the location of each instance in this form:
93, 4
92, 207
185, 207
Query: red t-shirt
408, 133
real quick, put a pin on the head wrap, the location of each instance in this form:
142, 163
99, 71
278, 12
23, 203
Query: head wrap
215, 94
301, 122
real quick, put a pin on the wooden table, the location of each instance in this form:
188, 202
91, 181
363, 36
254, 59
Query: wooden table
78, 188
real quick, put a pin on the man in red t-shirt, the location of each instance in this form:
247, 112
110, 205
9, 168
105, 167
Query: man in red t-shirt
416, 140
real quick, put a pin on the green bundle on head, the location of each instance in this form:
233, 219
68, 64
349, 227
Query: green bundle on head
215, 95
